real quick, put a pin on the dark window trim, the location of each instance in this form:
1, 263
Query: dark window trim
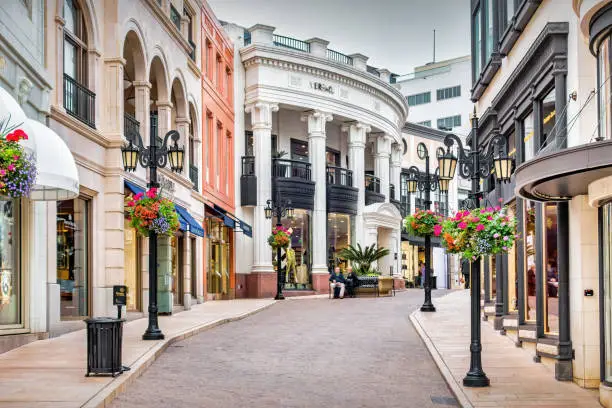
524, 11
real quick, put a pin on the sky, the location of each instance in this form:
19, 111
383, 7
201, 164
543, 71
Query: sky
395, 34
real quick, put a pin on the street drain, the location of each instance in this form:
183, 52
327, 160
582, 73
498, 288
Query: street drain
448, 401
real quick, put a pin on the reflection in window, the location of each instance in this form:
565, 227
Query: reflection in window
512, 281
605, 89
530, 262
476, 45
606, 249
299, 150
10, 277
551, 273
73, 257
528, 132
548, 119
338, 238
488, 10
298, 261
131, 261
218, 271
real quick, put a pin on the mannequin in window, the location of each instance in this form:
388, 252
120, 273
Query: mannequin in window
290, 253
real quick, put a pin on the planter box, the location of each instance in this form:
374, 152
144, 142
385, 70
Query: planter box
385, 285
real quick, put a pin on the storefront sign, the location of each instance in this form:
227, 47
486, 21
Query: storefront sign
119, 295
322, 87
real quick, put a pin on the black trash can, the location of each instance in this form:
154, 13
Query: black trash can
104, 338
434, 282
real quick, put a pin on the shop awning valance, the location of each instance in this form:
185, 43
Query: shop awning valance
188, 223
58, 177
193, 225
230, 220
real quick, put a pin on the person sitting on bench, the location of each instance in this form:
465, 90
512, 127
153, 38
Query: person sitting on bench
351, 281
336, 280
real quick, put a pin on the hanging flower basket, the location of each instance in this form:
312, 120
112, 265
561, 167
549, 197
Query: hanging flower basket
17, 169
280, 237
151, 212
423, 223
480, 232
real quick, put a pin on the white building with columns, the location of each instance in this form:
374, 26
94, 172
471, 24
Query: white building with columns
323, 130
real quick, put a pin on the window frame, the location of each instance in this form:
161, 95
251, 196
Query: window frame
425, 95
448, 92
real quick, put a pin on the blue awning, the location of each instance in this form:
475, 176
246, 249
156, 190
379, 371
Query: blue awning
190, 223
246, 228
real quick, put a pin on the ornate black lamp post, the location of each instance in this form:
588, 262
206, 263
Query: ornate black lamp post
154, 156
278, 208
426, 183
475, 164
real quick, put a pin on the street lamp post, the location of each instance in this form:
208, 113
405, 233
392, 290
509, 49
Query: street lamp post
474, 165
153, 157
426, 183
278, 208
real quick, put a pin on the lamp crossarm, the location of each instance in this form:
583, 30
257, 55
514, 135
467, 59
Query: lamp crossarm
464, 159
486, 155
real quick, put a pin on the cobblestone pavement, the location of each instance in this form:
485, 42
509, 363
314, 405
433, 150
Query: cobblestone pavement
353, 353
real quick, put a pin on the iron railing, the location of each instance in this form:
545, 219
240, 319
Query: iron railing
339, 57
288, 42
372, 183
194, 176
79, 101
339, 176
131, 129
248, 165
192, 54
391, 191
291, 169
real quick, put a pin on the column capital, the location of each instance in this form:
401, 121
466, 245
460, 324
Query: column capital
182, 120
164, 104
316, 122
356, 133
381, 144
261, 114
144, 84
396, 155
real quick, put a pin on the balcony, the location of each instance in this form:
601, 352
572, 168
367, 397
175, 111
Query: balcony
392, 198
292, 180
372, 190
79, 101
248, 182
341, 195
291, 43
194, 176
131, 129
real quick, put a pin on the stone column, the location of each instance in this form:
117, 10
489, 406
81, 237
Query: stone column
382, 152
263, 278
182, 126
142, 92
164, 117
317, 121
112, 100
356, 143
395, 168
563, 365
187, 271
60, 22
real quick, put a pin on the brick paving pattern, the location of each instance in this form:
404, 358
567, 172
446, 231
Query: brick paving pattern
354, 353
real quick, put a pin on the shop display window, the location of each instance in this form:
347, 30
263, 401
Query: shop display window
10, 274
218, 258
299, 261
530, 262
338, 237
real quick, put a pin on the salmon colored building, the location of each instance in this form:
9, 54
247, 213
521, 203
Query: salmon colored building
218, 158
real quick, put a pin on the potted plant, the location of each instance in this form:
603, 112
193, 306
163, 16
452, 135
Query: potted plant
363, 258
151, 212
280, 237
423, 223
17, 169
480, 232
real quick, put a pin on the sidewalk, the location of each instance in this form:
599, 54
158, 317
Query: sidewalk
516, 381
51, 373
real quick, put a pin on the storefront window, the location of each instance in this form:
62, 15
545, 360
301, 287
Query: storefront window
338, 238
512, 281
299, 262
548, 118
218, 251
131, 259
551, 274
605, 89
73, 257
176, 245
10, 276
530, 263
606, 249
528, 134
488, 4
476, 45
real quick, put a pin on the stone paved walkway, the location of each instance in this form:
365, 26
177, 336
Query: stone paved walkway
516, 381
50, 373
352, 353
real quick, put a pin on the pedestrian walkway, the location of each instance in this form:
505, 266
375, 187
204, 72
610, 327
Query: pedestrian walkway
516, 381
51, 373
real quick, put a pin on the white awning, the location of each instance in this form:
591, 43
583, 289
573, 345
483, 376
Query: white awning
57, 177
11, 111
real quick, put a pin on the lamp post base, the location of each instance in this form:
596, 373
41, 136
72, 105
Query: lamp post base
428, 308
154, 334
279, 296
476, 379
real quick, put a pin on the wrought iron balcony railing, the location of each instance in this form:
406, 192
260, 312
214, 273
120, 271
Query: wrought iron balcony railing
283, 168
372, 183
391, 191
339, 57
288, 42
248, 165
131, 129
79, 101
339, 176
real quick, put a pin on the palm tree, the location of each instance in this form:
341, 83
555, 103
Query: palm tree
363, 258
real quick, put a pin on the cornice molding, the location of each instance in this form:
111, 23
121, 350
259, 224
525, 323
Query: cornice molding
168, 26
82, 129
423, 131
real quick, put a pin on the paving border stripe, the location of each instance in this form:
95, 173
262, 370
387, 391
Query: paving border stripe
456, 389
106, 395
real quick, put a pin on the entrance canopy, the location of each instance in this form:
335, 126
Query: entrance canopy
384, 215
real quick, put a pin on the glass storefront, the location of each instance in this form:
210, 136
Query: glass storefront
512, 281
550, 271
339, 235
73, 257
299, 260
548, 118
528, 137
530, 263
10, 273
131, 255
218, 256
606, 259
176, 249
